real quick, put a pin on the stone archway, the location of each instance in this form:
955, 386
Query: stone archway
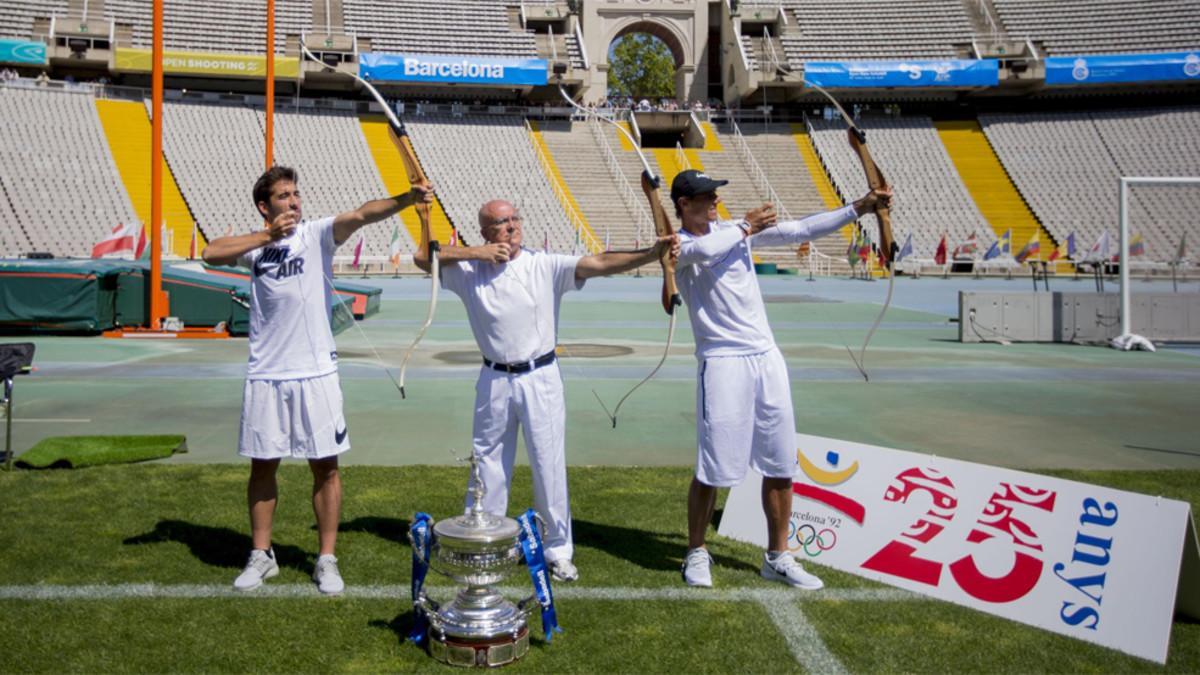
682, 26
669, 37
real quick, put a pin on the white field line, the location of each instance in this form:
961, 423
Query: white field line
780, 604
401, 592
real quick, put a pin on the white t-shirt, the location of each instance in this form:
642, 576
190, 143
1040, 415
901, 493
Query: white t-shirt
715, 276
290, 336
513, 306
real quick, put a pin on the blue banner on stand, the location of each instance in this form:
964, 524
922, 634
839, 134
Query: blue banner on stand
421, 545
1107, 68
535, 559
949, 73
451, 69
22, 51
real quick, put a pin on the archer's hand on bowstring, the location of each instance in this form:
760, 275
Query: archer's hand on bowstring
283, 225
873, 200
762, 218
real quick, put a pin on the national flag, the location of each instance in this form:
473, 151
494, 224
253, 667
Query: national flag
194, 243
1136, 245
864, 246
939, 257
1071, 246
1055, 254
993, 251
1006, 242
1031, 249
357, 253
1181, 252
805, 249
967, 248
453, 236
121, 238
905, 250
394, 246
143, 251
1099, 250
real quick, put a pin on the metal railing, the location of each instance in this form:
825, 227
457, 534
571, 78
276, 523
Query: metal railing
681, 159
757, 174
582, 231
633, 201
778, 65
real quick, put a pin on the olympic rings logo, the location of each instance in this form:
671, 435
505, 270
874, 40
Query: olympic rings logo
810, 540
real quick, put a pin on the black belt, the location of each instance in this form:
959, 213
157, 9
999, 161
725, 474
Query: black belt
543, 360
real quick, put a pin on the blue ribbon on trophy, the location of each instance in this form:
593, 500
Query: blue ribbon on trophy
535, 559
420, 565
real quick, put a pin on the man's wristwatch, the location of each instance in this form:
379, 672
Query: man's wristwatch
745, 225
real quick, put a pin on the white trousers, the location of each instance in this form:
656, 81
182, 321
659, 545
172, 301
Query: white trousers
534, 402
744, 418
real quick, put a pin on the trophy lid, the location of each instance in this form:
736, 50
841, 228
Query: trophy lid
487, 529
475, 524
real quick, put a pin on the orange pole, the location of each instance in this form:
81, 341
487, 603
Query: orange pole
270, 141
158, 299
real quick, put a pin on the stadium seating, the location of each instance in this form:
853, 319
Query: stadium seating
337, 171
480, 27
934, 201
472, 160
224, 26
1067, 165
326, 147
840, 30
776, 153
1066, 27
16, 18
217, 185
63, 190
580, 160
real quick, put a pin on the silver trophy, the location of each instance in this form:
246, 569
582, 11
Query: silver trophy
479, 627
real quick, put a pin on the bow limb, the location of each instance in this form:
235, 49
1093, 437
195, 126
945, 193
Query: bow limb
416, 176
887, 243
651, 183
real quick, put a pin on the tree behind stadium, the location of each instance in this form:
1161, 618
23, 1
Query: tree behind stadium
641, 65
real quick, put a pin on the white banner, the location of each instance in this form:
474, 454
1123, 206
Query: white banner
1094, 563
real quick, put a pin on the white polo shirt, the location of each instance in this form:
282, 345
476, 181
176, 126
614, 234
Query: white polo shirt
513, 306
715, 276
290, 336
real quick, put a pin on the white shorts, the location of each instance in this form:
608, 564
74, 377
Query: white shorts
293, 418
744, 418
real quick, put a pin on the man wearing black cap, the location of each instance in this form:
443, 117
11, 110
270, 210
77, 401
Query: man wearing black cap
743, 398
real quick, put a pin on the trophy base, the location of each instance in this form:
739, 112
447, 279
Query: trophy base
479, 652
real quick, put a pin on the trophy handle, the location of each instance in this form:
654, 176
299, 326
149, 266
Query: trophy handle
527, 605
427, 604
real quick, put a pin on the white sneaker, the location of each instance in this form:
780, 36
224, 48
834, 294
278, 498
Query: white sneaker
329, 580
787, 569
697, 568
260, 567
564, 570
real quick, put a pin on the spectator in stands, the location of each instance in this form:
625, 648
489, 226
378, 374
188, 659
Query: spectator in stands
744, 400
43, 79
292, 402
512, 296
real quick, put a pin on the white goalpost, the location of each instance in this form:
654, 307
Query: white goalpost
1127, 340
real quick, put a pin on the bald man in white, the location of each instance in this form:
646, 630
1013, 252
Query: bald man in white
512, 296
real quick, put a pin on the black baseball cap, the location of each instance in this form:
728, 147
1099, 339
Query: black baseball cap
691, 183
